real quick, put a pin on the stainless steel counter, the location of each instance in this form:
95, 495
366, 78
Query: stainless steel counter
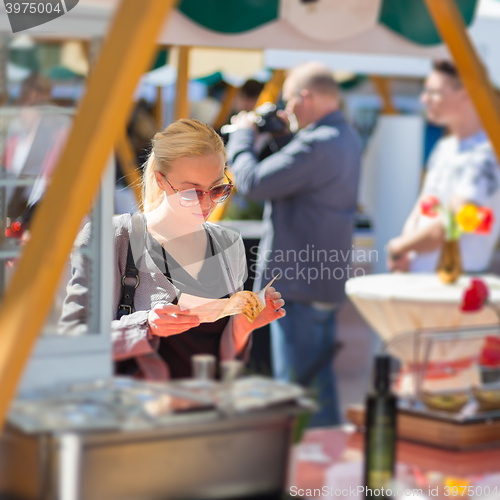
209, 453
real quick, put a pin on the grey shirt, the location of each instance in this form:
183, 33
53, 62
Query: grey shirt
311, 186
130, 334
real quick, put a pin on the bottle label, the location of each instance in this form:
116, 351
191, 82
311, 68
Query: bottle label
378, 479
381, 453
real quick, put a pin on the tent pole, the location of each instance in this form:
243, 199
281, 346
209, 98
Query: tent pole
128, 163
124, 57
181, 88
450, 24
272, 89
226, 107
382, 86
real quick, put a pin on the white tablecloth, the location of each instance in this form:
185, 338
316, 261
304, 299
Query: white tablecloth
398, 303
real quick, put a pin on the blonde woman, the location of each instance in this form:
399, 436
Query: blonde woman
173, 250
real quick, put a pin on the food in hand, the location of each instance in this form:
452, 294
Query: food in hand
246, 303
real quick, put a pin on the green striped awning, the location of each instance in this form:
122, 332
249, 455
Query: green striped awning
408, 18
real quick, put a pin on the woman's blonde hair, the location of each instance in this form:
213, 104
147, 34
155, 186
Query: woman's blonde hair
181, 139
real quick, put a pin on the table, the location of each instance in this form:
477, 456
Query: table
333, 458
398, 303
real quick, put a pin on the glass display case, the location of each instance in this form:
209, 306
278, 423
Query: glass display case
449, 394
31, 139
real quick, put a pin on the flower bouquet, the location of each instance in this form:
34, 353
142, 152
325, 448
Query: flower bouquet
469, 219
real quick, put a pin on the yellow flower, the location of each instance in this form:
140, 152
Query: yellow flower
468, 218
461, 483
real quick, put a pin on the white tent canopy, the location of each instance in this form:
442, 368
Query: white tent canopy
483, 32
91, 18
383, 65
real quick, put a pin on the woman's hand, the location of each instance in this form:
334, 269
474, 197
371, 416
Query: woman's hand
168, 319
272, 311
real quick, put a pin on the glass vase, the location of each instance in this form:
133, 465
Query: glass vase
450, 264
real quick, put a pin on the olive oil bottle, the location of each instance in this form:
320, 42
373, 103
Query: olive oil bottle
380, 438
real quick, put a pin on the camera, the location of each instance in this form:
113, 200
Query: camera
266, 120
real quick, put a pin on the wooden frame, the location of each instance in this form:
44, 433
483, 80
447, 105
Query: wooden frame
128, 163
383, 88
181, 87
105, 107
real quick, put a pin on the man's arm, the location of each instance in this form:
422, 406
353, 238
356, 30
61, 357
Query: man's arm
420, 240
411, 222
283, 174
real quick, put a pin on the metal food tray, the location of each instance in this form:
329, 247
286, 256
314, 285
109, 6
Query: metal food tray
221, 450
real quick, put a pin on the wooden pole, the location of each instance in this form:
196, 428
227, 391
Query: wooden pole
181, 88
382, 86
272, 89
226, 107
124, 57
128, 164
451, 26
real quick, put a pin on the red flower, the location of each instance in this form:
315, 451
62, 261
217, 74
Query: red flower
487, 218
493, 341
15, 230
490, 353
489, 357
429, 205
475, 296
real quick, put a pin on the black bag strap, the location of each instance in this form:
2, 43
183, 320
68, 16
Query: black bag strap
130, 281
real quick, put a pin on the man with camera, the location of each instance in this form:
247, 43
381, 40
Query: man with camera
310, 187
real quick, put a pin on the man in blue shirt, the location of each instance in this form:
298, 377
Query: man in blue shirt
310, 187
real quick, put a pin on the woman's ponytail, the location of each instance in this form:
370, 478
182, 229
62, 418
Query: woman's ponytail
151, 193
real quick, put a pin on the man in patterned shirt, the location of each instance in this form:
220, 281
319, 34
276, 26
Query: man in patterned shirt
462, 169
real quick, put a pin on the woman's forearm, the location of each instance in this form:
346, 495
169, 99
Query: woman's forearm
241, 333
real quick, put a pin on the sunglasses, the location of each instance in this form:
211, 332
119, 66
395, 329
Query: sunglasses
192, 197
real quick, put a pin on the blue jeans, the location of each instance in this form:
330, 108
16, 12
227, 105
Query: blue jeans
299, 342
